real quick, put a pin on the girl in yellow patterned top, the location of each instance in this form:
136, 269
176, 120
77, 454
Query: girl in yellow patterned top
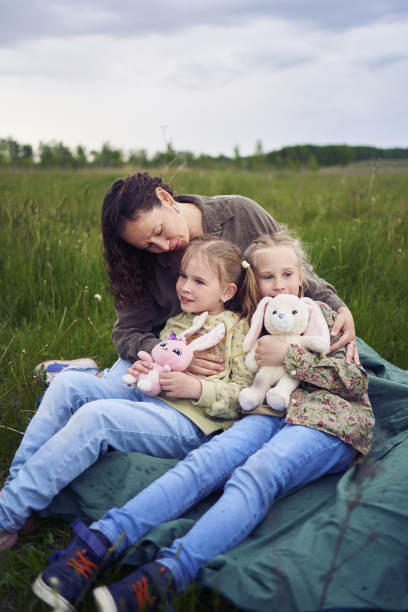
69, 431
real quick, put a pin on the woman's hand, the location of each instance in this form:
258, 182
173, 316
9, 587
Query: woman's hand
270, 350
344, 325
180, 384
205, 363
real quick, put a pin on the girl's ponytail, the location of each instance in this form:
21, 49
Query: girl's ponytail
248, 294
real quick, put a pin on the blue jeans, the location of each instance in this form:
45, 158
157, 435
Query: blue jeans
79, 418
256, 460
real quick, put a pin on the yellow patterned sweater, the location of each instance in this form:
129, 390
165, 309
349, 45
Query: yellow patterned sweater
218, 406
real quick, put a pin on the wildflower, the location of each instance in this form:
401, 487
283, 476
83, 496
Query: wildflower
97, 297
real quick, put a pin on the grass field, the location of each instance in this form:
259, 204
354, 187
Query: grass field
51, 267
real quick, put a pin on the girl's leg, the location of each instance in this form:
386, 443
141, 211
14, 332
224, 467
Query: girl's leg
149, 426
204, 470
67, 392
200, 473
294, 456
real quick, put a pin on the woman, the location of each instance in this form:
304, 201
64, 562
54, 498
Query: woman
145, 229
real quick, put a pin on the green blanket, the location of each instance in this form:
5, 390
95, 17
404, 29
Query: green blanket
340, 542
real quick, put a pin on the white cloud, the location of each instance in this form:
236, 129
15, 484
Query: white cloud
266, 78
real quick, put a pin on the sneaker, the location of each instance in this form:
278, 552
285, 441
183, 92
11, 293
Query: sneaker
151, 587
71, 571
54, 367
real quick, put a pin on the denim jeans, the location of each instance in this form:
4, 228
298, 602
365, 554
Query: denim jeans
79, 418
256, 460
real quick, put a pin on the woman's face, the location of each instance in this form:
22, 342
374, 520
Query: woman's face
161, 229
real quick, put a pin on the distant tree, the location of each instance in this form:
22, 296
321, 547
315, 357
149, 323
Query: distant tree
258, 159
237, 157
170, 152
186, 157
81, 159
205, 161
14, 154
14, 150
55, 155
345, 155
27, 152
107, 157
138, 157
3, 152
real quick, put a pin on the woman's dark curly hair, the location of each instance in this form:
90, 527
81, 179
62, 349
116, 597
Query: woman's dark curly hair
129, 268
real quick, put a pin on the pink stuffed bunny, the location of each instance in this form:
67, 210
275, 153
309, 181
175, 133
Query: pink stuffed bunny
174, 355
297, 320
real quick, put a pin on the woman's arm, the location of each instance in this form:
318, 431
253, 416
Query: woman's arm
344, 328
133, 331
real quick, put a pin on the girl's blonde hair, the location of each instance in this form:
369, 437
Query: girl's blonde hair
282, 237
224, 258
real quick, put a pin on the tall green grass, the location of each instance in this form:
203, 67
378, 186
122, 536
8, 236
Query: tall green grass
51, 268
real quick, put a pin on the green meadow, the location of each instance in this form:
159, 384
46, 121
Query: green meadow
354, 221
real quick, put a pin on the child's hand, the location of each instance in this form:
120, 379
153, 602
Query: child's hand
179, 384
140, 366
205, 363
270, 351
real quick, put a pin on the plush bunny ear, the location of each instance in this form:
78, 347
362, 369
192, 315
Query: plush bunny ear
256, 324
317, 325
197, 324
213, 337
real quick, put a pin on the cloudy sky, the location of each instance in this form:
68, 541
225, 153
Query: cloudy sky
207, 75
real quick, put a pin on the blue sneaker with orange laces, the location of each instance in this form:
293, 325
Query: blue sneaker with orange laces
151, 587
72, 570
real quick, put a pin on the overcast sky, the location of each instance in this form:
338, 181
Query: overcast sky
207, 75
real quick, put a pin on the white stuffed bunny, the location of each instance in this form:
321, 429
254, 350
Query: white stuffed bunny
287, 316
174, 354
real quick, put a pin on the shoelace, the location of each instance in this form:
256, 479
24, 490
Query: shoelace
141, 590
85, 567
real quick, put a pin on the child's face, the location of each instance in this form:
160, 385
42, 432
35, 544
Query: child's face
277, 271
199, 288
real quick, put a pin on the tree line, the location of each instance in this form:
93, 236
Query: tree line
57, 155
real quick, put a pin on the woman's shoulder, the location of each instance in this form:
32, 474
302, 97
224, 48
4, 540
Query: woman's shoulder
234, 206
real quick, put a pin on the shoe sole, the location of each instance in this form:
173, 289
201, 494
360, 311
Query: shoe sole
56, 601
103, 600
